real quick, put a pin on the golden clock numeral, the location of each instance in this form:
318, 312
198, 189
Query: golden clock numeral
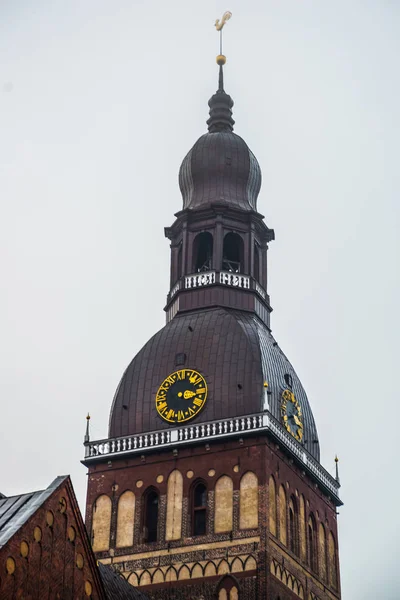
201, 390
170, 413
197, 402
191, 411
181, 375
195, 379
181, 416
162, 405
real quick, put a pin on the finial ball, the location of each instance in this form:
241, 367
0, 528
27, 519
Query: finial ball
221, 60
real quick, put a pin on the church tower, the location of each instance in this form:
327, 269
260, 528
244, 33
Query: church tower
209, 485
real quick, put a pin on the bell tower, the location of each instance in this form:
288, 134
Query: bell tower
209, 484
219, 241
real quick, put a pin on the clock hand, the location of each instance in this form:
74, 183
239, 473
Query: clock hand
187, 394
297, 421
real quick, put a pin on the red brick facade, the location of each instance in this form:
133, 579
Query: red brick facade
266, 567
49, 556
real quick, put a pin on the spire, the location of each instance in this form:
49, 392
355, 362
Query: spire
87, 437
221, 104
337, 469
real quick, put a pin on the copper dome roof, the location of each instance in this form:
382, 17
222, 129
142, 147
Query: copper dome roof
234, 351
220, 167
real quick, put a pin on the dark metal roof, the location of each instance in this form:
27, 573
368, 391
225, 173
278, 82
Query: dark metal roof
116, 587
220, 168
16, 510
233, 350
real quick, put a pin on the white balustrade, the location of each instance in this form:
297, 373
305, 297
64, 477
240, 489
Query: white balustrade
200, 279
234, 280
174, 290
207, 431
260, 290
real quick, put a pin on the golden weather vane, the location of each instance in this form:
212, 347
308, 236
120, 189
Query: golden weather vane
219, 25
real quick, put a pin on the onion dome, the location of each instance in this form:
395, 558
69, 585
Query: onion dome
220, 168
235, 353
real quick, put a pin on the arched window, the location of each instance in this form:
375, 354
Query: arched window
202, 252
179, 273
125, 519
293, 526
332, 558
199, 509
256, 272
232, 257
302, 529
312, 543
272, 506
228, 589
173, 528
150, 516
248, 517
282, 515
101, 523
223, 511
322, 551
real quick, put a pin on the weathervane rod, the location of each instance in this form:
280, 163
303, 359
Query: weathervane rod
219, 25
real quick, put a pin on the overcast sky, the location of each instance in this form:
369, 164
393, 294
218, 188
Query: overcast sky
100, 101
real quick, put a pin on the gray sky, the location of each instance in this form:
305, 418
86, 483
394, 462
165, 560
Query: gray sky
100, 101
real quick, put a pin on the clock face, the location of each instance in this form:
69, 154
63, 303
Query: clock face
291, 414
181, 396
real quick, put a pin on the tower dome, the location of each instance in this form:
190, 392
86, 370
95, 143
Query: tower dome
220, 168
237, 354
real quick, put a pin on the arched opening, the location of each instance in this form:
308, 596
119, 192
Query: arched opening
293, 526
101, 524
232, 256
179, 273
322, 551
173, 527
256, 272
150, 516
199, 509
312, 543
223, 509
248, 507
125, 519
272, 506
332, 557
202, 252
282, 515
228, 589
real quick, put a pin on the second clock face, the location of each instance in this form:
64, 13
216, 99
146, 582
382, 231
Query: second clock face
181, 396
291, 414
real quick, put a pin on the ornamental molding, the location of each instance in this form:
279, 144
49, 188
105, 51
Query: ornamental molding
167, 439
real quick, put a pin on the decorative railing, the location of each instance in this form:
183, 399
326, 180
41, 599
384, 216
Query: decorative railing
223, 428
235, 280
200, 279
174, 290
260, 290
196, 280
